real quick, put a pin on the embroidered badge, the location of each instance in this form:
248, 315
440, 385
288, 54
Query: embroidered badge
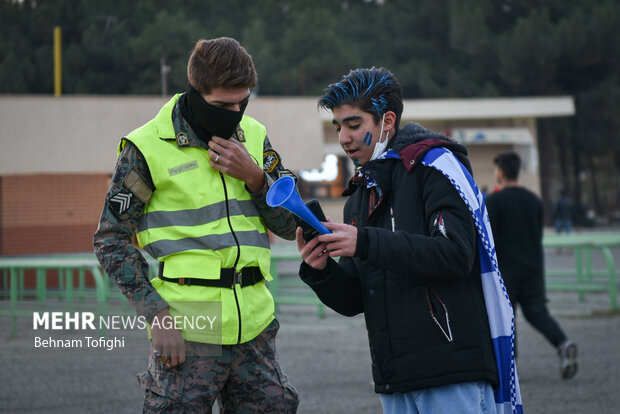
270, 160
121, 202
283, 172
182, 139
240, 134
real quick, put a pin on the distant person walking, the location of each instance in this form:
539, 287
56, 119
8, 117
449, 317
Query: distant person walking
516, 216
563, 213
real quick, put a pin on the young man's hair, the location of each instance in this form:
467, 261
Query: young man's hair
510, 163
373, 90
220, 63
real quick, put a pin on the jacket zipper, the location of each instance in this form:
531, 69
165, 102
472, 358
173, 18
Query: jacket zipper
447, 334
232, 231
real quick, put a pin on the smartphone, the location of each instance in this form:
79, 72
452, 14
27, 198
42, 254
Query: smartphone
309, 231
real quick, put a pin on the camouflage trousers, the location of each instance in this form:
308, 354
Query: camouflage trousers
246, 378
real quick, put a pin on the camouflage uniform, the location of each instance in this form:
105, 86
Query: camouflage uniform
243, 385
126, 266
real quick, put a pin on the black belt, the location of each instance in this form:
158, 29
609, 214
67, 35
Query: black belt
228, 278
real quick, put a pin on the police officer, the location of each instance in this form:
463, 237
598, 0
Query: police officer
190, 185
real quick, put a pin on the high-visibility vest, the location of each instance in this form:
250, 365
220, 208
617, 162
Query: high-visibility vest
199, 221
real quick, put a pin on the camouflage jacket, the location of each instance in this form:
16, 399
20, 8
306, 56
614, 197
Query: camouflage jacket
114, 242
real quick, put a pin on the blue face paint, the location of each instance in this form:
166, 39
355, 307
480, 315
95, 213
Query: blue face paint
368, 138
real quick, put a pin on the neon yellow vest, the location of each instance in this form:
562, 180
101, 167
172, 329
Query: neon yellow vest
186, 225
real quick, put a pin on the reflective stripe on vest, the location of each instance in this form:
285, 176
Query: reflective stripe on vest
202, 215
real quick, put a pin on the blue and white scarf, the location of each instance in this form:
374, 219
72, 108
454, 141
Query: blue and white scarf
371, 182
499, 309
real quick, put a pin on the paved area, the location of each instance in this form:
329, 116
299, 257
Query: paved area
327, 360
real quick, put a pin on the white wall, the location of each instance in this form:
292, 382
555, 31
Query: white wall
79, 134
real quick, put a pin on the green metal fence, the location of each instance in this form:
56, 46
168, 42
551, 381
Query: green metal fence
75, 270
584, 277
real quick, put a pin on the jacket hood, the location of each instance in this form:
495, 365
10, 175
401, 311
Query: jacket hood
411, 142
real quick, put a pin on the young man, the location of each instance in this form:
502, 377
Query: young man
409, 259
192, 184
517, 220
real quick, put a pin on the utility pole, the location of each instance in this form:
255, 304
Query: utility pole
57, 62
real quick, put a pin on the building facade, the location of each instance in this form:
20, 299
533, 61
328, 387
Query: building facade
58, 153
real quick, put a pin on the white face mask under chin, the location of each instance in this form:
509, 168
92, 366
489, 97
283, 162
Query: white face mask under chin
380, 146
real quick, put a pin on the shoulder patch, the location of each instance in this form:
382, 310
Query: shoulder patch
270, 160
120, 201
137, 186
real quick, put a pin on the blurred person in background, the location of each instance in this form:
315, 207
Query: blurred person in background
516, 216
563, 213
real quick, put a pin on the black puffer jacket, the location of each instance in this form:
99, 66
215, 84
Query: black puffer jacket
400, 279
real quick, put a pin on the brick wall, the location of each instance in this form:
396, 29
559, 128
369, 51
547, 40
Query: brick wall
50, 213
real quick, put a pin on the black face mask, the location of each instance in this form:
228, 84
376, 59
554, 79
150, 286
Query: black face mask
208, 120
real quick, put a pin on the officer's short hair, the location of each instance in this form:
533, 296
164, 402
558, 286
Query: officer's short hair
510, 163
373, 90
220, 63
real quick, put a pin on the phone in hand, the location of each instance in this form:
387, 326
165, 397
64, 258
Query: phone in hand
309, 231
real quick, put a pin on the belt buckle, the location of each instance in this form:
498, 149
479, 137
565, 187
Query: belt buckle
237, 278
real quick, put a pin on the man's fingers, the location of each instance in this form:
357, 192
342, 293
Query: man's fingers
329, 238
219, 144
219, 141
182, 354
168, 346
300, 239
173, 362
332, 225
175, 356
214, 156
214, 146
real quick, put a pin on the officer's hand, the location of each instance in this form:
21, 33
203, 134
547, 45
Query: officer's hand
313, 252
342, 241
232, 158
167, 340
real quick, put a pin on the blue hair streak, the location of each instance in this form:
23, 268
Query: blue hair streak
358, 85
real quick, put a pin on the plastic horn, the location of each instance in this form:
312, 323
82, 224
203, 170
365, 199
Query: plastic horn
283, 193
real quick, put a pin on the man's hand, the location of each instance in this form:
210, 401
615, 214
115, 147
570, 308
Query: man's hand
232, 158
313, 252
342, 241
168, 342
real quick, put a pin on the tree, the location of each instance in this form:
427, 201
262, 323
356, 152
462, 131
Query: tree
456, 48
